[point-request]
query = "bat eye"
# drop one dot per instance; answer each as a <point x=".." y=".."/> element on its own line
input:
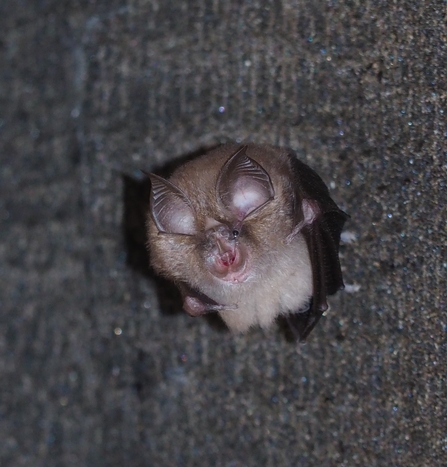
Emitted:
<point x="235" y="233"/>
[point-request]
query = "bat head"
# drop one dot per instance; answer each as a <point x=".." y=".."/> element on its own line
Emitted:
<point x="205" y="225"/>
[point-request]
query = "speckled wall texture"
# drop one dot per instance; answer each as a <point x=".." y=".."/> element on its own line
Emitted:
<point x="98" y="366"/>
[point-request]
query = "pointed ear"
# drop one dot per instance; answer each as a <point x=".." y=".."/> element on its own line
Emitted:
<point x="170" y="208"/>
<point x="243" y="186"/>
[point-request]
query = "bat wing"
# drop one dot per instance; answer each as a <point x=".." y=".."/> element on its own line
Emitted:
<point x="322" y="236"/>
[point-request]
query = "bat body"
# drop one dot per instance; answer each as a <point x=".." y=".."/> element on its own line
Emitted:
<point x="249" y="232"/>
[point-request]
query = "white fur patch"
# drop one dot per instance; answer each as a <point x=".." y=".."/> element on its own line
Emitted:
<point x="285" y="285"/>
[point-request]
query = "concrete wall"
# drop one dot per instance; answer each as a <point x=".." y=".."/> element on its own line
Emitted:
<point x="99" y="367"/>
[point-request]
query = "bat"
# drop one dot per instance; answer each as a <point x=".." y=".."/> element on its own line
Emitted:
<point x="248" y="232"/>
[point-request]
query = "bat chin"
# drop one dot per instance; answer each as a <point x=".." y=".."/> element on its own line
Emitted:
<point x="233" y="275"/>
<point x="236" y="277"/>
<point x="230" y="267"/>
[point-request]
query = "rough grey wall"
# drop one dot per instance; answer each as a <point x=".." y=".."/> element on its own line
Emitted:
<point x="97" y="366"/>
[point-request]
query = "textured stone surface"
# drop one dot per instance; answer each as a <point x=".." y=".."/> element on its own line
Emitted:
<point x="97" y="365"/>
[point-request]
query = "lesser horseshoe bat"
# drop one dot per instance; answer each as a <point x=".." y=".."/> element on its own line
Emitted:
<point x="250" y="232"/>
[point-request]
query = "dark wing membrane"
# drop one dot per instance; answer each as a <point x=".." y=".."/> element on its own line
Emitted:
<point x="323" y="241"/>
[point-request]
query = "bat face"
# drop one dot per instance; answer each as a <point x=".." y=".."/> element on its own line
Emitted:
<point x="234" y="229"/>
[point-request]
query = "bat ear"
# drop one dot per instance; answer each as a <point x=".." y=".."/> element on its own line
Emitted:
<point x="243" y="186"/>
<point x="170" y="208"/>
